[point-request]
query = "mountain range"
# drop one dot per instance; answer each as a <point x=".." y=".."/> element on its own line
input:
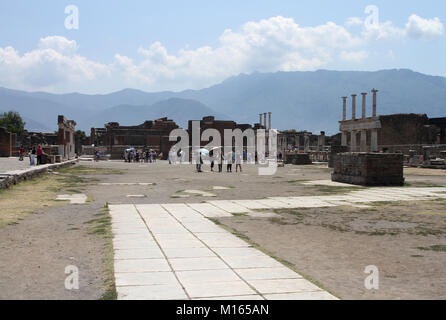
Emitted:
<point x="298" y="100"/>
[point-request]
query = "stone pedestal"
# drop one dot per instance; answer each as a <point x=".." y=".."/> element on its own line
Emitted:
<point x="369" y="169"/>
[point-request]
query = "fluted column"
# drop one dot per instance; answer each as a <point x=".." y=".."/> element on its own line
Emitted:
<point x="344" y="108"/>
<point x="269" y="120"/>
<point x="374" y="91"/>
<point x="353" y="106"/>
<point x="364" y="102"/>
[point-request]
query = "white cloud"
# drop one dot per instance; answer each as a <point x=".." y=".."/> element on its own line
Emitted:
<point x="269" y="45"/>
<point x="416" y="28"/>
<point x="354" y="56"/>
<point x="354" y="22"/>
<point x="419" y="28"/>
<point x="54" y="65"/>
<point x="383" y="31"/>
<point x="58" y="44"/>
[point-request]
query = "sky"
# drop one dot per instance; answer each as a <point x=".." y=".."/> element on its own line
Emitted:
<point x="103" y="46"/>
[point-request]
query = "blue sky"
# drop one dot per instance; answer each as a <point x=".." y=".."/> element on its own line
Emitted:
<point x="175" y="45"/>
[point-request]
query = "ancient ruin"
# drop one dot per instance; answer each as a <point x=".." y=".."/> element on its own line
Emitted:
<point x="363" y="165"/>
<point x="7" y="143"/>
<point x="66" y="138"/>
<point x="149" y="135"/>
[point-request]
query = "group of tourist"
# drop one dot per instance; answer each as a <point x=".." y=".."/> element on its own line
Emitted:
<point x="34" y="154"/>
<point x="148" y="156"/>
<point x="228" y="158"/>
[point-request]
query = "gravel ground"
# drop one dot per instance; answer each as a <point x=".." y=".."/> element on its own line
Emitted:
<point x="35" y="252"/>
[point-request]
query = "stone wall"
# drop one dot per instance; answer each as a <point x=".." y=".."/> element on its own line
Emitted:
<point x="297" y="158"/>
<point x="405" y="129"/>
<point x="7" y="143"/>
<point x="369" y="169"/>
<point x="334" y="151"/>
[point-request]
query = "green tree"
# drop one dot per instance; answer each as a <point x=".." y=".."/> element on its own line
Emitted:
<point x="13" y="122"/>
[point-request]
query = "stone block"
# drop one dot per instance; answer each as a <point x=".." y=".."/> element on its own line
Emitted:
<point x="369" y="169"/>
<point x="297" y="158"/>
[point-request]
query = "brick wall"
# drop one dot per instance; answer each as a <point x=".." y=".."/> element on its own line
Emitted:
<point x="7" y="143"/>
<point x="369" y="169"/>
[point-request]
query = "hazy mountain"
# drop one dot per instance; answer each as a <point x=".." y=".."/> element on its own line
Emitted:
<point x="298" y="100"/>
<point x="180" y="110"/>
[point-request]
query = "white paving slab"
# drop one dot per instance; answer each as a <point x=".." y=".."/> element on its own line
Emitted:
<point x="208" y="210"/>
<point x="311" y="295"/>
<point x="283" y="286"/>
<point x="77" y="198"/>
<point x="251" y="204"/>
<point x="145" y="279"/>
<point x="183" y="242"/>
<point x="188" y="253"/>
<point x="218" y="289"/>
<point x="206" y="276"/>
<point x="229" y="206"/>
<point x="155" y="292"/>
<point x="200" y="193"/>
<point x="146" y="253"/>
<point x="206" y="263"/>
<point x="268" y="273"/>
<point x="141" y="265"/>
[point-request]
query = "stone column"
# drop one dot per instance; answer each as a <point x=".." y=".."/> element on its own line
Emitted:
<point x="269" y="120"/>
<point x="374" y="91"/>
<point x="364" y="102"/>
<point x="363" y="141"/>
<point x="344" y="108"/>
<point x="264" y="120"/>
<point x="307" y="143"/>
<point x="260" y="121"/>
<point x="353" y="142"/>
<point x="374" y="141"/>
<point x="353" y="106"/>
<point x="344" y="139"/>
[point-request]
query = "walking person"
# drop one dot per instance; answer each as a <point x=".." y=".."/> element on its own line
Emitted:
<point x="32" y="156"/>
<point x="39" y="155"/>
<point x="238" y="161"/>
<point x="220" y="163"/>
<point x="199" y="161"/>
<point x="21" y="153"/>
<point x="229" y="161"/>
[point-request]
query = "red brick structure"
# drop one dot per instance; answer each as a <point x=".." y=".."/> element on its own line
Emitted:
<point x="7" y="143"/>
<point x="149" y="135"/>
<point x="66" y="138"/>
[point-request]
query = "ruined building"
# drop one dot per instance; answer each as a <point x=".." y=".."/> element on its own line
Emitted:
<point x="149" y="135"/>
<point x="7" y="143"/>
<point x="66" y="140"/>
<point x="388" y="133"/>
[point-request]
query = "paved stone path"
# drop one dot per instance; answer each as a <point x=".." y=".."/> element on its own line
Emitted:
<point x="12" y="164"/>
<point x="172" y="251"/>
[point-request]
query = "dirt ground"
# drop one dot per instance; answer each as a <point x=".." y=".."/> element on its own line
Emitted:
<point x="331" y="246"/>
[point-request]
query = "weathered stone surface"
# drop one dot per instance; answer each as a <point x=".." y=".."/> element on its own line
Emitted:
<point x="369" y="169"/>
<point x="297" y="158"/>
